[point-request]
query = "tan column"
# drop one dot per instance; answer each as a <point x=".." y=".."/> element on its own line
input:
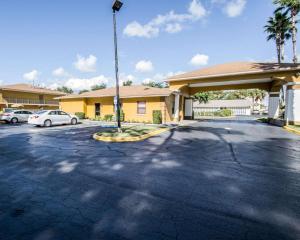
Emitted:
<point x="176" y="107"/>
<point x="273" y="109"/>
<point x="292" y="107"/>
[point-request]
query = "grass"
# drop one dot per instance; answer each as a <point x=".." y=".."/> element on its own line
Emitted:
<point x="128" y="131"/>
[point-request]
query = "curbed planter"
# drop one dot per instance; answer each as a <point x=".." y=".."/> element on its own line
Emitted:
<point x="130" y="139"/>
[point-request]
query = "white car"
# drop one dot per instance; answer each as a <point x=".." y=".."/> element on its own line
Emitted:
<point x="48" y="118"/>
<point x="15" y="116"/>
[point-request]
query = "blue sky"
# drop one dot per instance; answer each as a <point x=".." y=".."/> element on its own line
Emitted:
<point x="69" y="42"/>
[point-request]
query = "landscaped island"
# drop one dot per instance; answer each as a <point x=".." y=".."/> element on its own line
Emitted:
<point x="129" y="133"/>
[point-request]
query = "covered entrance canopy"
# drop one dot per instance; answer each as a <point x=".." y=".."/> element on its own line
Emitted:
<point x="241" y="75"/>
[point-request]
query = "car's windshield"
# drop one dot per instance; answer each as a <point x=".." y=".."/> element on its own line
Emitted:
<point x="40" y="112"/>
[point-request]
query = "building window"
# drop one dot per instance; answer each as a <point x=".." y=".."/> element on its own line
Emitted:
<point x="141" y="107"/>
<point x="97" y="109"/>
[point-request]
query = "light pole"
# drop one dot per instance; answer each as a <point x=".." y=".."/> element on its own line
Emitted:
<point x="116" y="7"/>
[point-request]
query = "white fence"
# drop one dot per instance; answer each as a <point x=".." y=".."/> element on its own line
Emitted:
<point x="237" y="111"/>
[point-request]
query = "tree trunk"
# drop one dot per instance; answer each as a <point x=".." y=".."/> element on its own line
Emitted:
<point x="282" y="52"/>
<point x="278" y="46"/>
<point x="294" y="37"/>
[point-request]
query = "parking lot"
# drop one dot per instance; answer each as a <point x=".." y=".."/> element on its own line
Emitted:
<point x="210" y="180"/>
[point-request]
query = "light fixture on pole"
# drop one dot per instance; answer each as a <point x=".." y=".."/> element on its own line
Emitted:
<point x="116" y="7"/>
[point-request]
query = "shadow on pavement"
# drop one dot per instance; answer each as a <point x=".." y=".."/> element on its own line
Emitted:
<point x="191" y="183"/>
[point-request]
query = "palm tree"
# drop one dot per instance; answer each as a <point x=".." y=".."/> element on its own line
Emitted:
<point x="278" y="29"/>
<point x="293" y="7"/>
<point x="286" y="33"/>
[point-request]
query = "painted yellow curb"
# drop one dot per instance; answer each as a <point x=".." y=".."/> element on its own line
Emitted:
<point x="129" y="139"/>
<point x="292" y="130"/>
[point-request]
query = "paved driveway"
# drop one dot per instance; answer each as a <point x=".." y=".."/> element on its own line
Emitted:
<point x="212" y="180"/>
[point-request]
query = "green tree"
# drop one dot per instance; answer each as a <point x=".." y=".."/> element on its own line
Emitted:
<point x="83" y="91"/>
<point x="98" y="86"/>
<point x="65" y="89"/>
<point x="127" y="83"/>
<point x="256" y="94"/>
<point x="154" y="84"/>
<point x="278" y="29"/>
<point x="292" y="7"/>
<point x="202" y="97"/>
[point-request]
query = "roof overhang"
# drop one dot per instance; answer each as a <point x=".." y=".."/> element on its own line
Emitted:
<point x="121" y="97"/>
<point x="33" y="92"/>
<point x="233" y="82"/>
<point x="179" y="78"/>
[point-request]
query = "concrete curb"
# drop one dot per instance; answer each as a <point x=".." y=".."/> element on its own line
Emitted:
<point x="292" y="130"/>
<point x="130" y="139"/>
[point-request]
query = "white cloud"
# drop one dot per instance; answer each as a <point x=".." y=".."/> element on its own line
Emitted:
<point x="86" y="64"/>
<point x="235" y="8"/>
<point x="31" y="76"/>
<point x="85" y="83"/>
<point x="169" y="22"/>
<point x="197" y="10"/>
<point x="1" y="82"/>
<point x="173" y="28"/>
<point x="54" y="86"/>
<point x="124" y="78"/>
<point x="135" y="29"/>
<point x="148" y="80"/>
<point x="160" y="77"/>
<point x="60" y="72"/>
<point x="144" y="66"/>
<point x="199" y="60"/>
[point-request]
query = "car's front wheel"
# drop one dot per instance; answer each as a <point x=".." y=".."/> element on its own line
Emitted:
<point x="74" y="121"/>
<point x="47" y="123"/>
<point x="14" y="120"/>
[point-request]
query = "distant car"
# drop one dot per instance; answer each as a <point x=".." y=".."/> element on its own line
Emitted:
<point x="15" y="116"/>
<point x="48" y="118"/>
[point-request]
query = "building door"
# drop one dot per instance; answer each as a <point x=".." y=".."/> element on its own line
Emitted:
<point x="97" y="109"/>
<point x="188" y="109"/>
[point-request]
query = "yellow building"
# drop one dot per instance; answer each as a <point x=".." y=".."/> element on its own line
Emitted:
<point x="137" y="103"/>
<point x="26" y="96"/>
<point x="272" y="77"/>
<point x="176" y="103"/>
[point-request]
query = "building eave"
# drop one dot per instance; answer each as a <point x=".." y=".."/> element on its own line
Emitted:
<point x="232" y="74"/>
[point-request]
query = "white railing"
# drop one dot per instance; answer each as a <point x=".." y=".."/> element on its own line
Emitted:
<point x="31" y="101"/>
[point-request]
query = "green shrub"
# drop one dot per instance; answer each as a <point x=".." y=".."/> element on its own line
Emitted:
<point x="80" y="115"/>
<point x="204" y="114"/>
<point x="223" y="113"/>
<point x="263" y="120"/>
<point x="157" y="117"/>
<point x="98" y="118"/>
<point x="108" y="117"/>
<point x="122" y="116"/>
